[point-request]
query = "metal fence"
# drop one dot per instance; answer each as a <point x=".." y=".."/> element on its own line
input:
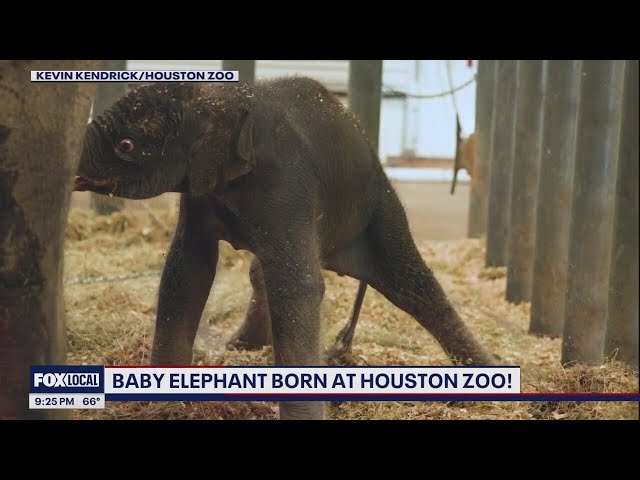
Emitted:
<point x="556" y="193"/>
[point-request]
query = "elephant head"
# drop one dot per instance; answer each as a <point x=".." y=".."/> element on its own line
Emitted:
<point x="175" y="137"/>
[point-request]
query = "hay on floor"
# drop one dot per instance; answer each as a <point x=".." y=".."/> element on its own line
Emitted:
<point x="110" y="321"/>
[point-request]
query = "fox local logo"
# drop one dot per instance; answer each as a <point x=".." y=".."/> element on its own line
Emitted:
<point x="67" y="378"/>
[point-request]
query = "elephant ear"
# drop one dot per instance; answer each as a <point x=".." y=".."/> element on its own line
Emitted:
<point x="245" y="160"/>
<point x="211" y="167"/>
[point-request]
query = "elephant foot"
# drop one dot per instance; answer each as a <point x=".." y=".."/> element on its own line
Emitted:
<point x="340" y="354"/>
<point x="242" y="340"/>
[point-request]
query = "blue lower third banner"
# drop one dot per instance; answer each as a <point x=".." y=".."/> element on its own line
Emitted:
<point x="90" y="386"/>
<point x="66" y="386"/>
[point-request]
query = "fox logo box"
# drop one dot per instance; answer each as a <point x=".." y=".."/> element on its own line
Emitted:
<point x="67" y="379"/>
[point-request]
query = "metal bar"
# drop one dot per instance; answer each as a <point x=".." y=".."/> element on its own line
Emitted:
<point x="365" y="85"/>
<point x="107" y="93"/>
<point x="592" y="211"/>
<point x="553" y="215"/>
<point x="365" y="93"/>
<point x="246" y="69"/>
<point x="524" y="179"/>
<point x="621" y="338"/>
<point x="479" y="196"/>
<point x="501" y="162"/>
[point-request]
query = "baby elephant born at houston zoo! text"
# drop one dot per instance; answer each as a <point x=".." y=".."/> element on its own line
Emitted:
<point x="282" y="170"/>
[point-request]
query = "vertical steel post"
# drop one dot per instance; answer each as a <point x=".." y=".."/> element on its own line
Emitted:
<point x="246" y="69"/>
<point x="365" y="90"/>
<point x="106" y="95"/>
<point x="524" y="179"/>
<point x="553" y="215"/>
<point x="592" y="211"/>
<point x="501" y="162"/>
<point x="622" y="319"/>
<point x="479" y="195"/>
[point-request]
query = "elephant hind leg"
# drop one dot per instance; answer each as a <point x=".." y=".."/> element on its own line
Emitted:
<point x="255" y="332"/>
<point x="402" y="276"/>
<point x="386" y="257"/>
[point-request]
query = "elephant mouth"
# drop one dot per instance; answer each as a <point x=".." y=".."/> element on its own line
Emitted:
<point x="83" y="183"/>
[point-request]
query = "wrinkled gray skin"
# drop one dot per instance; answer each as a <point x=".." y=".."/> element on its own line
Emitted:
<point x="284" y="171"/>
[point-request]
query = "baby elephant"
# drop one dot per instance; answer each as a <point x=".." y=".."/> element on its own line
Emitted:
<point x="284" y="171"/>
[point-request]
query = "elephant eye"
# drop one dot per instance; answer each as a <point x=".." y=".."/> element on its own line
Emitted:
<point x="126" y="145"/>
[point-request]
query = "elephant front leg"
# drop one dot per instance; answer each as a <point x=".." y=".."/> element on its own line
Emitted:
<point x="186" y="282"/>
<point x="294" y="295"/>
<point x="255" y="332"/>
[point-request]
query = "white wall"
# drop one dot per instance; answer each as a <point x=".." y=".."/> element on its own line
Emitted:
<point x="392" y="126"/>
<point x="424" y="127"/>
<point x="430" y="123"/>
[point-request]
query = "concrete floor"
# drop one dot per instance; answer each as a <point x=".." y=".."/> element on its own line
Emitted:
<point x="433" y="213"/>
